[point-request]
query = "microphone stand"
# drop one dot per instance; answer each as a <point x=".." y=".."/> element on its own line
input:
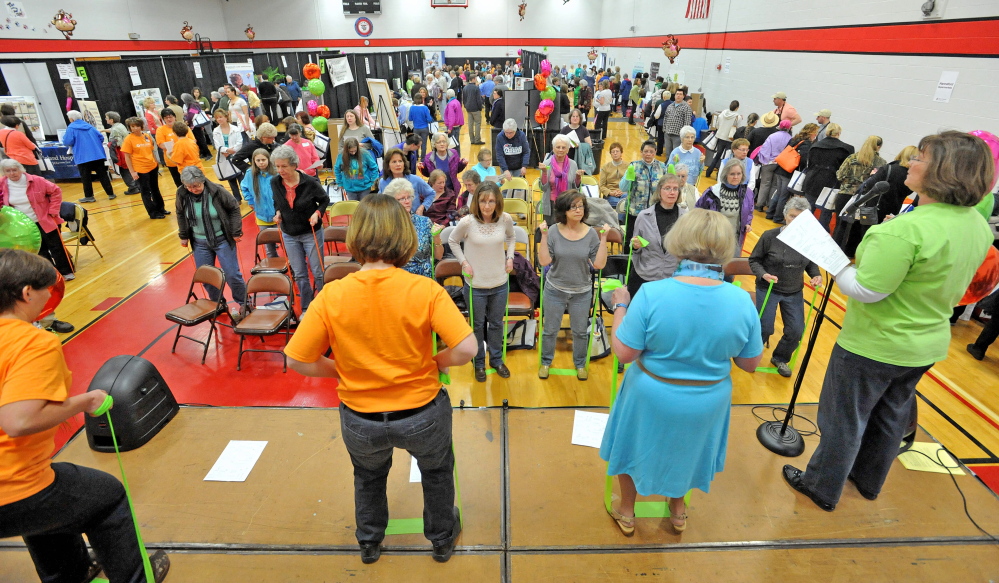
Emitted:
<point x="778" y="436"/>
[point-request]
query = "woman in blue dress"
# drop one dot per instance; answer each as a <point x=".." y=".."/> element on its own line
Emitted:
<point x="668" y="429"/>
<point x="426" y="234"/>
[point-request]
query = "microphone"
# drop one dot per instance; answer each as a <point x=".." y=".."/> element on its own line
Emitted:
<point x="877" y="190"/>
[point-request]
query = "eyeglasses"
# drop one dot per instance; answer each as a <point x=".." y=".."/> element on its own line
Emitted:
<point x="578" y="207"/>
<point x="916" y="159"/>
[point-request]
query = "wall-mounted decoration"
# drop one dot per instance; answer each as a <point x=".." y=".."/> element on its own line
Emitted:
<point x="671" y="48"/>
<point x="249" y="32"/>
<point x="187" y="32"/>
<point x="363" y="26"/>
<point x="64" y="23"/>
<point x="15" y="9"/>
<point x="522" y="10"/>
<point x="592" y="55"/>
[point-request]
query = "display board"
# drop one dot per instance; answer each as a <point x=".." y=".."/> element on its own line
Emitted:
<point x="140" y="95"/>
<point x="26" y="109"/>
<point x="240" y="74"/>
<point x="381" y="101"/>
<point x="91" y="114"/>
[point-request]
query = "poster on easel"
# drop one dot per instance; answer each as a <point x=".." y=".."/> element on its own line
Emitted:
<point x="91" y="114"/>
<point x="26" y="109"/>
<point x="140" y="95"/>
<point x="240" y="74"/>
<point x="381" y="101"/>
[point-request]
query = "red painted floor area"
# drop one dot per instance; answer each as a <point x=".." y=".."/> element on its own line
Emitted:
<point x="139" y="324"/>
<point x="988" y="474"/>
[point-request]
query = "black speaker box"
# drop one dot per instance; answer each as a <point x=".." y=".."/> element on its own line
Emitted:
<point x="143" y="404"/>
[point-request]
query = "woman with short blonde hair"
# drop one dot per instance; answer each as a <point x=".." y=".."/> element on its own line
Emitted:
<point x="687" y="355"/>
<point x="387" y="372"/>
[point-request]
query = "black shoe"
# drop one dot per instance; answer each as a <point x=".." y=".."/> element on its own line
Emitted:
<point x="93" y="570"/>
<point x="502" y="371"/>
<point x="60" y="327"/>
<point x="978" y="353"/>
<point x="160" y="563"/>
<point x="443" y="551"/>
<point x="370" y="552"/>
<point x="157" y="216"/>
<point x="480" y="374"/>
<point x="133" y="191"/>
<point x="863" y="492"/>
<point x="112" y="196"/>
<point x="87" y="199"/>
<point x="782" y="367"/>
<point x="792" y="476"/>
<point x="165" y="213"/>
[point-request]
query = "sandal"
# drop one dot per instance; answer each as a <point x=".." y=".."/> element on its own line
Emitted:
<point x="625" y="523"/>
<point x="678" y="528"/>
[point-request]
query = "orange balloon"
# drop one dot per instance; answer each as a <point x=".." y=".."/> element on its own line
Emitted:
<point x="540" y="83"/>
<point x="985" y="280"/>
<point x="311" y="71"/>
<point x="58" y="290"/>
<point x="323" y="111"/>
<point x="540" y="117"/>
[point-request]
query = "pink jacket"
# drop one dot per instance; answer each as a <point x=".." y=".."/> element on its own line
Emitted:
<point x="45" y="198"/>
<point x="453" y="116"/>
<point x="307" y="155"/>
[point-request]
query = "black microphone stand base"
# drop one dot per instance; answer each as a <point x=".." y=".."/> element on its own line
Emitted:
<point x="790" y="444"/>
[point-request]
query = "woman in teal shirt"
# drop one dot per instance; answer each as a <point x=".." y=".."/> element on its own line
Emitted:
<point x="910" y="272"/>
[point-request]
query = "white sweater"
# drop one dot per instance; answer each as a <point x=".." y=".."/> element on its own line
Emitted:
<point x="484" y="249"/>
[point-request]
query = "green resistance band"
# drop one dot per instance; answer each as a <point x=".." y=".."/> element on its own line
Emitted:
<point x="105" y="409"/>
<point x="443" y="378"/>
<point x="471" y="318"/>
<point x="808" y="320"/>
<point x="415" y="525"/>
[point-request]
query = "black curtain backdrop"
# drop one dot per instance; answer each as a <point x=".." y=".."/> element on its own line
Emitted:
<point x="531" y="62"/>
<point x="181" y="76"/>
<point x="110" y="83"/>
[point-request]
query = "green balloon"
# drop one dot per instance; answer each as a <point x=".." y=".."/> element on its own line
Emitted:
<point x="549" y="93"/>
<point x="320" y="123"/>
<point x="17" y="231"/>
<point x="316" y="87"/>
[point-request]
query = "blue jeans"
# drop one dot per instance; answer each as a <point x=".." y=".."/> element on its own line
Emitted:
<point x="355" y="194"/>
<point x="555" y="304"/>
<point x="298" y="247"/>
<point x="80" y="500"/>
<point x="488" y="309"/>
<point x="864" y="410"/>
<point x="792" y="313"/>
<point x="226" y="254"/>
<point x="614" y="201"/>
<point x="427" y="437"/>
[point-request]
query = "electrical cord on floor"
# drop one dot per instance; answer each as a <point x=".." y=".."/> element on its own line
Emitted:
<point x="776" y="410"/>
<point x="939" y="461"/>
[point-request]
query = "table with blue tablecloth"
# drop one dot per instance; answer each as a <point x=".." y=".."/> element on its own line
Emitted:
<point x="62" y="161"/>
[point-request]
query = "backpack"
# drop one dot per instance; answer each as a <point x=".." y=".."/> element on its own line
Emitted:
<point x="283" y="94"/>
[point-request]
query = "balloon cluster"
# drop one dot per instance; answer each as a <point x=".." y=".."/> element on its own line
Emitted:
<point x="547" y="105"/>
<point x="18" y="231"/>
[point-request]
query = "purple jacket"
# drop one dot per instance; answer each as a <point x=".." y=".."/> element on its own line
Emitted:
<point x="453" y="116"/>
<point x="709" y="200"/>
<point x="771" y="148"/>
<point x="455" y="165"/>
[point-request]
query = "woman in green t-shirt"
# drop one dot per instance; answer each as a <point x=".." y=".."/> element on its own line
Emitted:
<point x="910" y="272"/>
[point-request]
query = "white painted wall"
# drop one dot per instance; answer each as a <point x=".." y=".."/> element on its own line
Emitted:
<point x="890" y="96"/>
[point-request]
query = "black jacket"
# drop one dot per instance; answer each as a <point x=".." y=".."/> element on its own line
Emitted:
<point x="773" y="256"/>
<point x="267" y="91"/>
<point x="497" y="115"/>
<point x="471" y="98"/>
<point x="456" y="85"/>
<point x="564" y="105"/>
<point x="310" y="196"/>
<point x="824" y="159"/>
<point x="241" y="159"/>
<point x="225" y="205"/>
<point x="758" y="136"/>
<point x="891" y="201"/>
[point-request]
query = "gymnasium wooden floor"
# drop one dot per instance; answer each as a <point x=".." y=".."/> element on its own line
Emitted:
<point x="117" y="305"/>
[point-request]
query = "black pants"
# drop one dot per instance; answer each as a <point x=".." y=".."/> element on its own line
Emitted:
<point x="33" y="169"/>
<point x="631" y="111"/>
<point x="989" y="334"/>
<point x="175" y="174"/>
<point x="53" y="250"/>
<point x="101" y="169"/>
<point x="202" y="139"/>
<point x="149" y="184"/>
<point x="51" y="522"/>
<point x="235" y="188"/>
<point x="270" y="109"/>
<point x="721" y="147"/>
<point x="600" y="125"/>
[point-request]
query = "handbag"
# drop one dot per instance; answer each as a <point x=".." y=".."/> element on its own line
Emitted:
<point x="600" y="346"/>
<point x="789" y="158"/>
<point x="452" y="142"/>
<point x="522" y="335"/>
<point x="711" y="141"/>
<point x="827" y="198"/>
<point x="732" y="132"/>
<point x="201" y="119"/>
<point x="224" y="169"/>
<point x="797" y="181"/>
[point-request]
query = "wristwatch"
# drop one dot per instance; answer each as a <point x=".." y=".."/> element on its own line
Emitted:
<point x="620" y="305"/>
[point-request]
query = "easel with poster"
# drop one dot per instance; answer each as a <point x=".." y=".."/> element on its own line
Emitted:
<point x="381" y="98"/>
<point x="26" y="109"/>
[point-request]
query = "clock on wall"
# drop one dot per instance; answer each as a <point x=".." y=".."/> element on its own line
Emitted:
<point x="363" y="26"/>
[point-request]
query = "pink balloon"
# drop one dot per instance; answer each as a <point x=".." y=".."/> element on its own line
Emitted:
<point x="519" y="51"/>
<point x="546" y="106"/>
<point x="993" y="143"/>
<point x="546" y="67"/>
<point x="313" y="107"/>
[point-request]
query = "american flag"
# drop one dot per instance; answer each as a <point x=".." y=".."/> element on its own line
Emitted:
<point x="698" y="8"/>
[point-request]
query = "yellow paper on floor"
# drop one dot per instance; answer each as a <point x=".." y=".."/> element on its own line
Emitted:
<point x="912" y="460"/>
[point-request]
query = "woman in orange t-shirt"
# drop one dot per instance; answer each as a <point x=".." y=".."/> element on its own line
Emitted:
<point x="50" y="504"/>
<point x="138" y="148"/>
<point x="165" y="135"/>
<point x="185" y="148"/>
<point x="388" y="375"/>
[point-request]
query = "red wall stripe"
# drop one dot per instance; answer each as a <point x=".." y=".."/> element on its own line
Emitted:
<point x="955" y="38"/>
